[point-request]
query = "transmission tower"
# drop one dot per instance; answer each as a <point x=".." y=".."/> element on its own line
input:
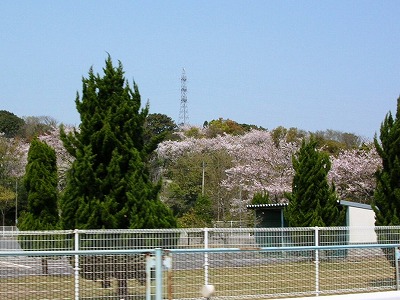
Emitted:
<point x="183" y="112"/>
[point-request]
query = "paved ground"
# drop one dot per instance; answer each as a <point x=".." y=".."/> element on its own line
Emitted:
<point x="7" y="243"/>
<point x="24" y="265"/>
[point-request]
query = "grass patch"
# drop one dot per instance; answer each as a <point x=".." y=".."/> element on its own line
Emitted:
<point x="265" y="280"/>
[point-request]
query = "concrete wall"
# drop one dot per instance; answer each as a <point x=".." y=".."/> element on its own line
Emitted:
<point x="361" y="222"/>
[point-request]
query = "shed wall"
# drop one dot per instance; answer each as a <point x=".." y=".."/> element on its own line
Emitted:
<point x="361" y="222"/>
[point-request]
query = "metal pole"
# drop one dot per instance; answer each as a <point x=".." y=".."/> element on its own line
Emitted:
<point x="316" y="262"/>
<point x="76" y="267"/>
<point x="159" y="280"/>
<point x="240" y="205"/>
<point x="205" y="256"/>
<point x="202" y="180"/>
<point x="150" y="263"/>
<point x="16" y="202"/>
<point x="396" y="264"/>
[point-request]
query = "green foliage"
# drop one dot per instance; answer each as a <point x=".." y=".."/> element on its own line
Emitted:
<point x="386" y="202"/>
<point x="248" y="127"/>
<point x="261" y="198"/>
<point x="10" y="124"/>
<point x="312" y="201"/>
<point x="186" y="173"/>
<point x="295" y="135"/>
<point x="200" y="215"/>
<point x="331" y="146"/>
<point x="7" y="201"/>
<point x="333" y="141"/>
<point x="190" y="220"/>
<point x="278" y="134"/>
<point x="157" y="128"/>
<point x="108" y="185"/>
<point x="330" y="141"/>
<point x="194" y="132"/>
<point x="221" y="126"/>
<point x="291" y="135"/>
<point x="203" y="209"/>
<point x="186" y="182"/>
<point x="41" y="185"/>
<point x="36" y="126"/>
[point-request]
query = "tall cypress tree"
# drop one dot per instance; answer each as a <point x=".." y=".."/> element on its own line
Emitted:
<point x="41" y="185"/>
<point x="386" y="202"/>
<point x="312" y="202"/>
<point x="108" y="185"/>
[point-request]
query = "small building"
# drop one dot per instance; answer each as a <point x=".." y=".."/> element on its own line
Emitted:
<point x="361" y="220"/>
<point x="268" y="215"/>
<point x="359" y="217"/>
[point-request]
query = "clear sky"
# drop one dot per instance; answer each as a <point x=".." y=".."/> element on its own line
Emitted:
<point x="313" y="65"/>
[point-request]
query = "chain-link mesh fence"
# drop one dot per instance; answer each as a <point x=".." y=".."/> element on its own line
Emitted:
<point x="247" y="264"/>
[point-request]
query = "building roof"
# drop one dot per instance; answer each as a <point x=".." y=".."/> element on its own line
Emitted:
<point x="283" y="205"/>
<point x="267" y="206"/>
<point x="355" y="204"/>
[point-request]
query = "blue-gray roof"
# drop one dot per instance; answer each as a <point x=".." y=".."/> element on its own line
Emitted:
<point x="267" y="206"/>
<point x="355" y="204"/>
<point x="282" y="205"/>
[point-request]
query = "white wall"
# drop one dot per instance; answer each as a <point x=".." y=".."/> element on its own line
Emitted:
<point x="362" y="222"/>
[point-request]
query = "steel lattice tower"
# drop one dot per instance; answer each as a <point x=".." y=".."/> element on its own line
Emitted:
<point x="183" y="112"/>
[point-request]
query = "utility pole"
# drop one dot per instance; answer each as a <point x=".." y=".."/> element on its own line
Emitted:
<point x="202" y="179"/>
<point x="16" y="202"/>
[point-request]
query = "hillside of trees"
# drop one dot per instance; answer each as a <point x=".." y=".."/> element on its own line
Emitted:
<point x="218" y="167"/>
<point x="124" y="167"/>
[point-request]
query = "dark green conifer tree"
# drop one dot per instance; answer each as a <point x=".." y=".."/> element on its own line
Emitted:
<point x="386" y="202"/>
<point x="10" y="124"/>
<point x="40" y="182"/>
<point x="312" y="202"/>
<point x="261" y="198"/>
<point x="108" y="185"/>
<point x="41" y="185"/>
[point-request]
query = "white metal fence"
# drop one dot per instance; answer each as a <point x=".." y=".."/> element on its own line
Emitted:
<point x="246" y="263"/>
<point x="5" y="229"/>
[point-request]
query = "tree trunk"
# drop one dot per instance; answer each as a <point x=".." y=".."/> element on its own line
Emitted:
<point x="106" y="283"/>
<point x="45" y="267"/>
<point x="122" y="288"/>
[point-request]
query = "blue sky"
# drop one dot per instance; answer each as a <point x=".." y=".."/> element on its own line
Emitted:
<point x="313" y="65"/>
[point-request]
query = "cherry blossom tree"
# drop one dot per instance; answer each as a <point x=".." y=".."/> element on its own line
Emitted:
<point x="259" y="165"/>
<point x="261" y="161"/>
<point x="13" y="153"/>
<point x="64" y="159"/>
<point x="353" y="172"/>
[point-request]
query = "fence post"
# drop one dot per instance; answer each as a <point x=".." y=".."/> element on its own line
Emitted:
<point x="159" y="279"/>
<point x="316" y="234"/>
<point x="76" y="266"/>
<point x="205" y="256"/>
<point x="396" y="265"/>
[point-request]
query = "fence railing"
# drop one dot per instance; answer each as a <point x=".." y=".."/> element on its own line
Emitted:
<point x="5" y="229"/>
<point x="195" y="238"/>
<point x="242" y="263"/>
